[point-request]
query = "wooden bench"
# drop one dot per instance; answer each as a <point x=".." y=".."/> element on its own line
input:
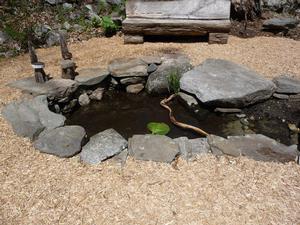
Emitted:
<point x="177" y="17"/>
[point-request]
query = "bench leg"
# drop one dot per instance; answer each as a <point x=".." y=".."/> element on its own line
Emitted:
<point x="218" y="38"/>
<point x="133" y="39"/>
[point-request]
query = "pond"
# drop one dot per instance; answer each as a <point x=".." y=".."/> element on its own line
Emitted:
<point x="129" y="114"/>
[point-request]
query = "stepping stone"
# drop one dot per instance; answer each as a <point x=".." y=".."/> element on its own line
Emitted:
<point x="255" y="146"/>
<point x="221" y="83"/>
<point x="31" y="116"/>
<point x="157" y="82"/>
<point x="91" y="76"/>
<point x="152" y="60"/>
<point x="158" y="148"/>
<point x="287" y="85"/>
<point x="62" y="141"/>
<point x="190" y="148"/>
<point x="102" y="146"/>
<point x="280" y="23"/>
<point x="128" y="68"/>
<point x="55" y="88"/>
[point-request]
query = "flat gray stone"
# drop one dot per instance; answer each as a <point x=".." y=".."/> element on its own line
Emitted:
<point x="30" y="117"/>
<point x="3" y="37"/>
<point x="158" y="148"/>
<point x="190" y="148"/>
<point x="281" y="96"/>
<point x="228" y="110"/>
<point x="158" y="81"/>
<point x="121" y="157"/>
<point x="225" y="84"/>
<point x="128" y="68"/>
<point x="287" y="85"/>
<point x="55" y="88"/>
<point x="255" y="146"/>
<point x="102" y="146"/>
<point x="91" y="76"/>
<point x="132" y="80"/>
<point x="280" y="23"/>
<point x="134" y="88"/>
<point x="62" y="141"/>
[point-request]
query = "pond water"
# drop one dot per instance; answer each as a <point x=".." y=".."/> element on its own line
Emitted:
<point x="129" y="114"/>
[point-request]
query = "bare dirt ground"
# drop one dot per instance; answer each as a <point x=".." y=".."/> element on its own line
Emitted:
<point x="42" y="189"/>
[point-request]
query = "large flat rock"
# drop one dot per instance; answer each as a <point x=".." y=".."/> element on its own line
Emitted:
<point x="158" y="148"/>
<point x="31" y="116"/>
<point x="91" y="76"/>
<point x="102" y="146"/>
<point x="130" y="67"/>
<point x="55" y="88"/>
<point x="255" y="146"/>
<point x="190" y="148"/>
<point x="62" y="141"/>
<point x="280" y="23"/>
<point x="223" y="83"/>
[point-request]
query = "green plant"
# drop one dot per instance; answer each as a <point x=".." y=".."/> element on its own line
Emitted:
<point x="108" y="25"/>
<point x="158" y="128"/>
<point x="174" y="81"/>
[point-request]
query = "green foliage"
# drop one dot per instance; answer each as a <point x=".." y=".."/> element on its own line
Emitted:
<point x="174" y="81"/>
<point x="108" y="25"/>
<point x="158" y="128"/>
<point x="96" y="22"/>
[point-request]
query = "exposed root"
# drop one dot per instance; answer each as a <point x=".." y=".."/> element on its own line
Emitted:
<point x="164" y="102"/>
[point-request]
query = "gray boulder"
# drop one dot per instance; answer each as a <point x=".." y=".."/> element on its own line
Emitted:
<point x="152" y="60"/>
<point x="55" y="88"/>
<point x="91" y="76"/>
<point x="128" y="68"/>
<point x="287" y="85"/>
<point x="225" y="84"/>
<point x="53" y="39"/>
<point x="62" y="141"/>
<point x="255" y="146"/>
<point x="149" y="147"/>
<point x="190" y="148"/>
<point x="158" y="81"/>
<point x="188" y="100"/>
<point x="30" y="117"/>
<point x="102" y="146"/>
<point x="280" y="24"/>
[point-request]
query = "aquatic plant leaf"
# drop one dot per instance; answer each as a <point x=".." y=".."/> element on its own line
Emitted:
<point x="158" y="128"/>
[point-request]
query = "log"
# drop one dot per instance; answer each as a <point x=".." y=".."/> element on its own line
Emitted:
<point x="139" y="26"/>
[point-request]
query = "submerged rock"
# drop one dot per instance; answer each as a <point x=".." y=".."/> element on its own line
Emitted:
<point x="134" y="88"/>
<point x="91" y="76"/>
<point x="84" y="100"/>
<point x="97" y="94"/>
<point x="149" y="147"/>
<point x="31" y="116"/>
<point x="225" y="84"/>
<point x="128" y="68"/>
<point x="287" y="85"/>
<point x="102" y="146"/>
<point x="62" y="141"/>
<point x="158" y="81"/>
<point x="255" y="146"/>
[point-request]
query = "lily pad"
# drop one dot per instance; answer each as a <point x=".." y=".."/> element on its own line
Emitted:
<point x="158" y="128"/>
